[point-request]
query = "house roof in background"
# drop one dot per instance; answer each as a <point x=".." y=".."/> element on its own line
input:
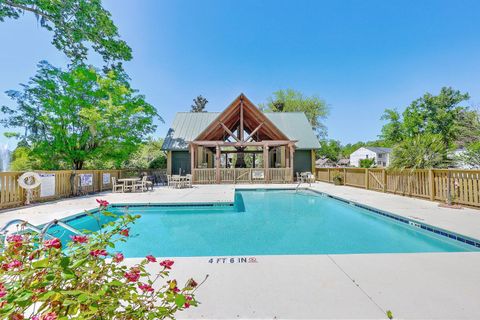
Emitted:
<point x="343" y="161"/>
<point x="186" y="126"/>
<point x="379" y="149"/>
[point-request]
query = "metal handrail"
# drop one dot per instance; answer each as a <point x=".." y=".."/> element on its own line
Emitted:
<point x="42" y="232"/>
<point x="4" y="230"/>
<point x="59" y="223"/>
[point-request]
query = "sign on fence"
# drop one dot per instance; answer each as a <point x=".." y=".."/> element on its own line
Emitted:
<point x="258" y="174"/>
<point x="47" y="187"/>
<point x="86" y="179"/>
<point x="106" y="178"/>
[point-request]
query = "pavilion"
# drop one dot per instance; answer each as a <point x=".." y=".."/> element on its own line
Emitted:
<point x="241" y="144"/>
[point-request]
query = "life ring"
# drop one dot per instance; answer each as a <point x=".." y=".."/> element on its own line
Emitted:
<point x="22" y="180"/>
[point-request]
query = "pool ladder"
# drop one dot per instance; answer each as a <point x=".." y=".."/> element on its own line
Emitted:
<point x="298" y="186"/>
<point x="41" y="232"/>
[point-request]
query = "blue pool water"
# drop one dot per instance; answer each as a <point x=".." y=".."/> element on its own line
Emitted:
<point x="270" y="222"/>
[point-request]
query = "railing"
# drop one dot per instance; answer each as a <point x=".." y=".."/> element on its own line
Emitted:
<point x="243" y="175"/>
<point x="462" y="186"/>
<point x="60" y="184"/>
<point x="204" y="176"/>
<point x="280" y="175"/>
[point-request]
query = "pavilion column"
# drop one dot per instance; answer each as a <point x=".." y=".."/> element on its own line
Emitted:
<point x="292" y="151"/>
<point x="192" y="160"/>
<point x="265" y="161"/>
<point x="217" y="163"/>
<point x="287" y="157"/>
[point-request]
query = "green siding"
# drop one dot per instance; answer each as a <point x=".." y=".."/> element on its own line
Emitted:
<point x="180" y="160"/>
<point x="302" y="161"/>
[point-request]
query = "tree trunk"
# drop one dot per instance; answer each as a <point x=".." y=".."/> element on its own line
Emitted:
<point x="77" y="165"/>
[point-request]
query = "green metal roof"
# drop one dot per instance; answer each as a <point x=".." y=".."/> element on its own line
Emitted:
<point x="296" y="126"/>
<point x="187" y="126"/>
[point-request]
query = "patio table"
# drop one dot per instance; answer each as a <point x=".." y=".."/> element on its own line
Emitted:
<point x="129" y="182"/>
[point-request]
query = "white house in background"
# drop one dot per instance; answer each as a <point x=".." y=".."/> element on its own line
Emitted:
<point x="381" y="156"/>
<point x="457" y="162"/>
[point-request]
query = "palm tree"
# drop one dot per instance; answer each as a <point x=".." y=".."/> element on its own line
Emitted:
<point x="424" y="151"/>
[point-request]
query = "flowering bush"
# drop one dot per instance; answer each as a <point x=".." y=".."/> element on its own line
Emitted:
<point x="87" y="280"/>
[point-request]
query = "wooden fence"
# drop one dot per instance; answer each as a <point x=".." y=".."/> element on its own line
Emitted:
<point x="60" y="184"/>
<point x="463" y="186"/>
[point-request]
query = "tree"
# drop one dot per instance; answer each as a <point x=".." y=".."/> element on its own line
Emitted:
<point x="392" y="132"/>
<point x="420" y="152"/>
<point x="22" y="160"/>
<point x="330" y="149"/>
<point x="148" y="155"/>
<point x="76" y="26"/>
<point x="199" y="104"/>
<point x="469" y="128"/>
<point x="74" y="116"/>
<point x="437" y="115"/>
<point x="290" y="100"/>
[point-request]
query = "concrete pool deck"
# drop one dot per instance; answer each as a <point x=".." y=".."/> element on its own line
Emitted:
<point x="350" y="286"/>
<point x="362" y="286"/>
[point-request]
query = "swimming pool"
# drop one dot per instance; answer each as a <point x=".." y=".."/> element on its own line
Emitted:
<point x="270" y="222"/>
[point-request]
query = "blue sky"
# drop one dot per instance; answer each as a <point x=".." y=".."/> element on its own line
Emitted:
<point x="360" y="56"/>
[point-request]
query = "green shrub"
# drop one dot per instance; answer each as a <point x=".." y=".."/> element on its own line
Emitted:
<point x="367" y="163"/>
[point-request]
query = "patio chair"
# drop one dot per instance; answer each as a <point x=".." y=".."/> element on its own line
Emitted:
<point x="147" y="184"/>
<point x="189" y="180"/>
<point x="142" y="184"/>
<point x="299" y="177"/>
<point x="175" y="181"/>
<point x="116" y="185"/>
<point x="307" y="177"/>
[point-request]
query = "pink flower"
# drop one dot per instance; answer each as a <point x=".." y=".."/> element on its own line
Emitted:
<point x="151" y="258"/>
<point x="49" y="316"/>
<point x="3" y="290"/>
<point x="133" y="275"/>
<point x="15" y="264"/>
<point x="15" y="239"/>
<point x="145" y="287"/>
<point x="53" y="243"/>
<point x="118" y="257"/>
<point x="125" y="232"/>
<point x="35" y="317"/>
<point x="98" y="252"/>
<point x="102" y="203"/>
<point x="79" y="239"/>
<point x="167" y="264"/>
<point x="186" y="305"/>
